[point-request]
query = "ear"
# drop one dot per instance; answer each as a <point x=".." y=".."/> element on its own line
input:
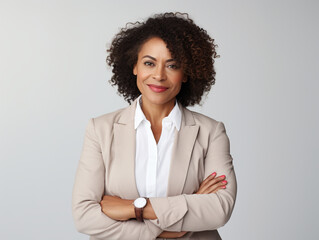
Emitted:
<point x="134" y="70"/>
<point x="184" y="79"/>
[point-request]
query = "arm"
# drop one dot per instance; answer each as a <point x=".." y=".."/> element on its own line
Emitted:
<point x="209" y="185"/>
<point x="206" y="211"/>
<point x="123" y="209"/>
<point x="88" y="192"/>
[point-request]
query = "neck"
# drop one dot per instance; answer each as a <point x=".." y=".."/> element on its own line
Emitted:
<point x="156" y="112"/>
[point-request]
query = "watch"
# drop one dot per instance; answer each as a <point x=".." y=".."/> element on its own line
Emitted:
<point x="139" y="205"/>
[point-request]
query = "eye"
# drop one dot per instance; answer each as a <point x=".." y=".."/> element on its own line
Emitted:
<point x="147" y="63"/>
<point x="173" y="66"/>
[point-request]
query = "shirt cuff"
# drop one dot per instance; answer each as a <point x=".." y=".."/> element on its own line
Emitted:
<point x="170" y="212"/>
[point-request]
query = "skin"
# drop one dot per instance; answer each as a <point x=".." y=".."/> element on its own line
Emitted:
<point x="123" y="209"/>
<point x="156" y="67"/>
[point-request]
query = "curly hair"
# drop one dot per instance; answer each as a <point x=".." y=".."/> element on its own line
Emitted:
<point x="189" y="44"/>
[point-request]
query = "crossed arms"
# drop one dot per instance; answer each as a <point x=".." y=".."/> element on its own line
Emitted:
<point x="98" y="217"/>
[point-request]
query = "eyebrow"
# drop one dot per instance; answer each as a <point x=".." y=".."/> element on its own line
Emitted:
<point x="153" y="58"/>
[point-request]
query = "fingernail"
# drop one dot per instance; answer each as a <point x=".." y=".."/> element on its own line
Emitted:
<point x="224" y="182"/>
<point x="222" y="176"/>
<point x="214" y="173"/>
<point x="223" y="186"/>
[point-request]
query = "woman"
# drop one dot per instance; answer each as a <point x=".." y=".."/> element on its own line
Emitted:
<point x="150" y="170"/>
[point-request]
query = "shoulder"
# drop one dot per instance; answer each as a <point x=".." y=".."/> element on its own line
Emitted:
<point x="103" y="124"/>
<point x="207" y="125"/>
<point x="203" y="119"/>
<point x="109" y="118"/>
<point x="122" y="116"/>
<point x="199" y="118"/>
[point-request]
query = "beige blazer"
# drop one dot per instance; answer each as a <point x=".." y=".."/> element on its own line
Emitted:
<point x="106" y="167"/>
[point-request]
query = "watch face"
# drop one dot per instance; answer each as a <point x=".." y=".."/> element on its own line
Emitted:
<point x="140" y="202"/>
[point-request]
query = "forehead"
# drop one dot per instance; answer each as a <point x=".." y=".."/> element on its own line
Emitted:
<point x="154" y="47"/>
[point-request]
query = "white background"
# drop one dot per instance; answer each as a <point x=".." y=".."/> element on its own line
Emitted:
<point x="54" y="79"/>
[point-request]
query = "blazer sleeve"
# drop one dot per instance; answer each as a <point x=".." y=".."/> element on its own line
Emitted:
<point x="88" y="191"/>
<point x="201" y="212"/>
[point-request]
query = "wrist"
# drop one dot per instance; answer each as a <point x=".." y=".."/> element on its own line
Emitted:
<point x="131" y="209"/>
<point x="139" y="206"/>
<point x="148" y="211"/>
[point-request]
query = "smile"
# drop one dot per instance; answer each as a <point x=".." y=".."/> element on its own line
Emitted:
<point x="157" y="89"/>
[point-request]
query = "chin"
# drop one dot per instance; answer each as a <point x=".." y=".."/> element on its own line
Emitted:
<point x="159" y="100"/>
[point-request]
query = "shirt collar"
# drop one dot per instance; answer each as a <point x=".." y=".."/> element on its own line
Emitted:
<point x="139" y="115"/>
<point x="175" y="116"/>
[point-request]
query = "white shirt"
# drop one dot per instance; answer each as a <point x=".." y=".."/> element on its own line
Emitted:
<point x="152" y="161"/>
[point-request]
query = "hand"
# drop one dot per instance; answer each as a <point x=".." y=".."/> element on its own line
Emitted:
<point x="212" y="184"/>
<point x="122" y="209"/>
<point x="117" y="208"/>
<point x="166" y="234"/>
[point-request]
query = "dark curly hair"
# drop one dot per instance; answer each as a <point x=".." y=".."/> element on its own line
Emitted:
<point x="189" y="44"/>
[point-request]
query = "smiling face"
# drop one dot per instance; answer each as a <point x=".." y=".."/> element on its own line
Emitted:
<point x="159" y="77"/>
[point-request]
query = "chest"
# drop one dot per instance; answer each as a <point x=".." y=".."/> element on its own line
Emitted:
<point x="152" y="161"/>
<point x="186" y="168"/>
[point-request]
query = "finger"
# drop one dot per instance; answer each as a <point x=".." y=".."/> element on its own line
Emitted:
<point x="210" y="177"/>
<point x="214" y="188"/>
<point x="202" y="185"/>
<point x="220" y="178"/>
<point x="215" y="180"/>
<point x="219" y="188"/>
<point x="206" y="183"/>
<point x="110" y="197"/>
<point x="211" y="181"/>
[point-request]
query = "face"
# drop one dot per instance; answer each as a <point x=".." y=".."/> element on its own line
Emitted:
<point x="159" y="77"/>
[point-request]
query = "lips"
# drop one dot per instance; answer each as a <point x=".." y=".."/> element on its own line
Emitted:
<point x="156" y="88"/>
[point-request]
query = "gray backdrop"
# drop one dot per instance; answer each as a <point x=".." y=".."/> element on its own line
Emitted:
<point x="54" y="78"/>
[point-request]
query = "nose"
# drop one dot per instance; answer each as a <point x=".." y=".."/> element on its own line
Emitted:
<point x="159" y="73"/>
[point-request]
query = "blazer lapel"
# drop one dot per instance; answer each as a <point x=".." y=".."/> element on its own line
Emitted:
<point x="124" y="148"/>
<point x="181" y="153"/>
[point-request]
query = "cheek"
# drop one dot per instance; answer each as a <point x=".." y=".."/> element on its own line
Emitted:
<point x="140" y="80"/>
<point x="177" y="87"/>
<point x="177" y="80"/>
<point x="139" y="83"/>
<point x="142" y="74"/>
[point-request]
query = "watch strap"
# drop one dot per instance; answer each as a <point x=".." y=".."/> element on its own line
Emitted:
<point x="139" y="214"/>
